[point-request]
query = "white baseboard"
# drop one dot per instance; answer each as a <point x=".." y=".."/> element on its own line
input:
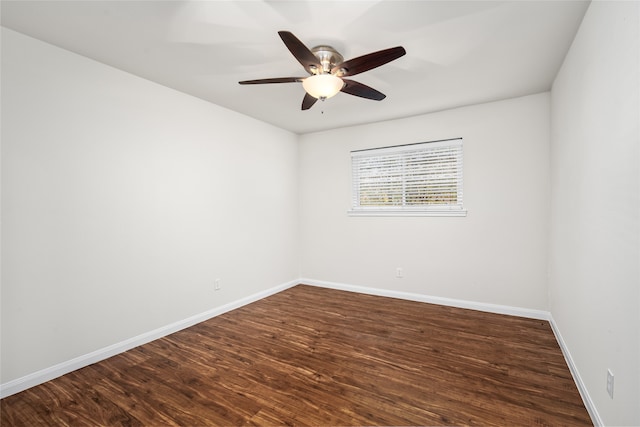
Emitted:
<point x="44" y="375"/>
<point x="47" y="374"/>
<point x="584" y="393"/>
<point x="472" y="305"/>
<point x="491" y="308"/>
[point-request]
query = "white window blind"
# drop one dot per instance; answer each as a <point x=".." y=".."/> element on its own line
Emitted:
<point x="414" y="179"/>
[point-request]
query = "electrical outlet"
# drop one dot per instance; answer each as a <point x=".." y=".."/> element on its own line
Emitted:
<point x="216" y="285"/>
<point x="399" y="272"/>
<point x="610" y="383"/>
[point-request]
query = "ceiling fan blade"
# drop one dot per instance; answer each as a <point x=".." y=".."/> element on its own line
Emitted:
<point x="367" y="62"/>
<point x="301" y="52"/>
<point x="358" y="89"/>
<point x="273" y="80"/>
<point x="308" y="101"/>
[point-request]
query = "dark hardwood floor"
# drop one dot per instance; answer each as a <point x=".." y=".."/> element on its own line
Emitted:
<point x="313" y="356"/>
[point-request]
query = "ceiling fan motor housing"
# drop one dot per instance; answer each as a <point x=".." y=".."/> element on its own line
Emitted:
<point x="328" y="57"/>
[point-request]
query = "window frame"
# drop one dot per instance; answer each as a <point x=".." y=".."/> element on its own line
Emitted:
<point x="405" y="151"/>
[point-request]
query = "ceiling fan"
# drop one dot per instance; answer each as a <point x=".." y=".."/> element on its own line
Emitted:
<point x="327" y="68"/>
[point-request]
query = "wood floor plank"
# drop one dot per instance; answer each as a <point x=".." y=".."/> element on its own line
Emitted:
<point x="311" y="356"/>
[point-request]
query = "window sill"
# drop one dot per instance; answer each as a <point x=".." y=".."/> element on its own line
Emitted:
<point x="407" y="212"/>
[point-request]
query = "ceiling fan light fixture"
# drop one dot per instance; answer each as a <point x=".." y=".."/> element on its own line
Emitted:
<point x="327" y="68"/>
<point x="322" y="86"/>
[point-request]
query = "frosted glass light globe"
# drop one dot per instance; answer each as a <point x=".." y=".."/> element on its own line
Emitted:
<point x="322" y="86"/>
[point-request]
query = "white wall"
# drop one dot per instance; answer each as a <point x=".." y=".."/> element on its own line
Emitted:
<point x="595" y="231"/>
<point x="123" y="200"/>
<point x="497" y="254"/>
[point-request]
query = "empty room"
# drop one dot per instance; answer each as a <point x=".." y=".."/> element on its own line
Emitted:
<point x="320" y="213"/>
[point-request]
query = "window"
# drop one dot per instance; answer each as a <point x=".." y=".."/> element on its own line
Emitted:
<point x="413" y="179"/>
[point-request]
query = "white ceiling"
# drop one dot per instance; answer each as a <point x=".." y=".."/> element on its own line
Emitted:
<point x="458" y="52"/>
